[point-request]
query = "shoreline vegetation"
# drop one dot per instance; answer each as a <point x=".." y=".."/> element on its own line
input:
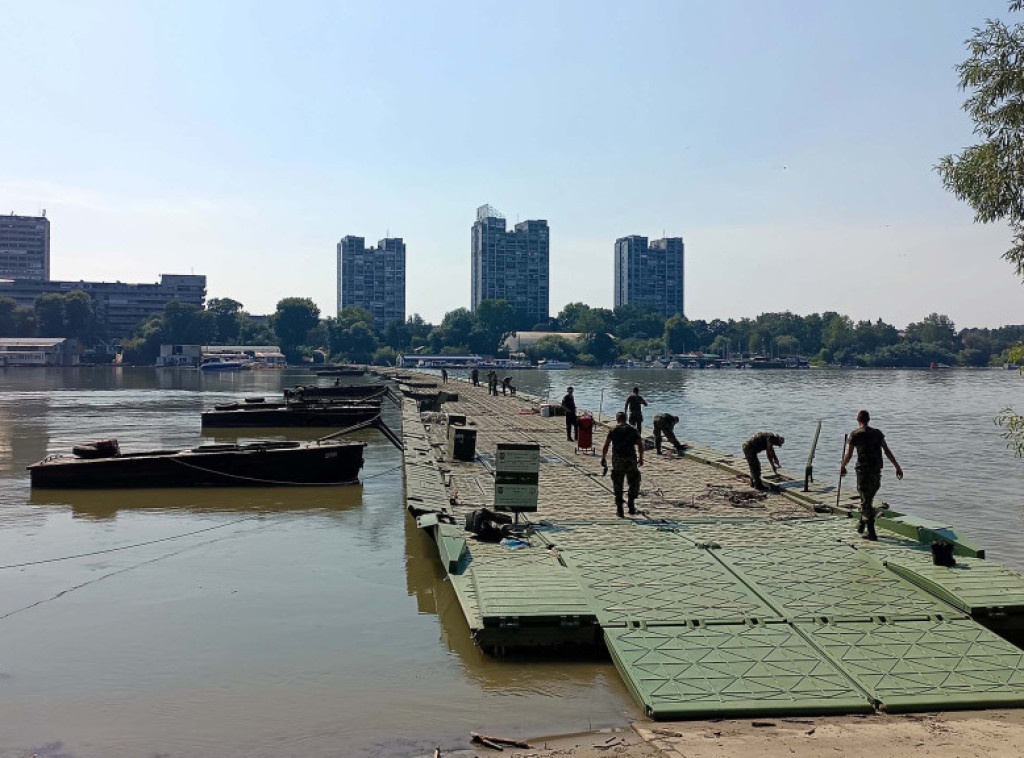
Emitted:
<point x="579" y="334"/>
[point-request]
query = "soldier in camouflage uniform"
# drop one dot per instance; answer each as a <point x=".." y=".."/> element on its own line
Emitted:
<point x="869" y="444"/>
<point x="663" y="426"/>
<point x="625" y="442"/>
<point x="765" y="442"/>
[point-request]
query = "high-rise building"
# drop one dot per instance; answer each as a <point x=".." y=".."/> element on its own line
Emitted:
<point x="25" y="247"/>
<point x="650" y="274"/>
<point x="511" y="266"/>
<point x="373" y="278"/>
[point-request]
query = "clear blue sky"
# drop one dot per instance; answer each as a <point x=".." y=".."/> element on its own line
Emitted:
<point x="790" y="143"/>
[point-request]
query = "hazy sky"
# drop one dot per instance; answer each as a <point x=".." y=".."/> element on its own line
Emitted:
<point x="791" y="144"/>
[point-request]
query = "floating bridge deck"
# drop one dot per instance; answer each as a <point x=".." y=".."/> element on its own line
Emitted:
<point x="716" y="601"/>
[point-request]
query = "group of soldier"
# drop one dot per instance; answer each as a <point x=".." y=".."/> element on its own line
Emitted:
<point x="627" y="446"/>
<point x="492" y="381"/>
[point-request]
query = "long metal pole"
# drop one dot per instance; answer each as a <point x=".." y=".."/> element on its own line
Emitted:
<point x="809" y="468"/>
<point x="600" y="408"/>
<point x="839" y="487"/>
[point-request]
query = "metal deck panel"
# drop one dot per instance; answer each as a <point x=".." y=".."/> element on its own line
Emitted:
<point x="729" y="671"/>
<point x="538" y="591"/>
<point x="973" y="585"/>
<point x="662" y="586"/>
<point x="838" y="582"/>
<point x="921" y="665"/>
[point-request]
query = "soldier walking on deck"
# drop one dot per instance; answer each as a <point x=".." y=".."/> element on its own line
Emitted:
<point x="572" y="426"/>
<point x="762" y="442"/>
<point x="492" y="382"/>
<point x="664" y="423"/>
<point x="474" y="376"/>
<point x="869" y="444"/>
<point x="625" y="442"/>
<point x="444" y="376"/>
<point x="633" y="408"/>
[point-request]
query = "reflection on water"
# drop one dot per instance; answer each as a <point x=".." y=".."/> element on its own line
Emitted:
<point x="324" y="625"/>
<point x="106" y="504"/>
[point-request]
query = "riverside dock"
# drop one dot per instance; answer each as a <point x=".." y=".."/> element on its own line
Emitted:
<point x="715" y="601"/>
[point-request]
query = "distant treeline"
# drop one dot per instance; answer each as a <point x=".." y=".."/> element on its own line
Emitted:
<point x="627" y="332"/>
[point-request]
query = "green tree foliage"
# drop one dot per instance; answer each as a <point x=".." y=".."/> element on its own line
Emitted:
<point x="933" y="329"/>
<point x="495" y="320"/>
<point x="50" y="315"/>
<point x="351" y="336"/>
<point x="398" y="336"/>
<point x="8" y="317"/>
<point x="228" y="315"/>
<point x="553" y="348"/>
<point x="252" y="332"/>
<point x="385" y="356"/>
<point x="911" y="355"/>
<point x="787" y="344"/>
<point x="679" y="335"/>
<point x="25" y="322"/>
<point x="638" y="322"/>
<point x="292" y="320"/>
<point x="454" y="330"/>
<point x="78" y="315"/>
<point x="988" y="176"/>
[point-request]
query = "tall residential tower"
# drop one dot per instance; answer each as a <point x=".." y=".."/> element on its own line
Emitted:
<point x="373" y="278"/>
<point x="650" y="274"/>
<point x="511" y="266"/>
<point x="25" y="247"/>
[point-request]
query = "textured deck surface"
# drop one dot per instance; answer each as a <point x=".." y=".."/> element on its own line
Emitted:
<point x="716" y="600"/>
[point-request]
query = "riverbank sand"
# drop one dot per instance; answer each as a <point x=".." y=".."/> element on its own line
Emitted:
<point x="981" y="734"/>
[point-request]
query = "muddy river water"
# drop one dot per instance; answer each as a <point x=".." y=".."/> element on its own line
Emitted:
<point x="316" y="621"/>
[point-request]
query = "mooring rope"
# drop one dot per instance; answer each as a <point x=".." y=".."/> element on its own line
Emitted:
<point x="128" y="547"/>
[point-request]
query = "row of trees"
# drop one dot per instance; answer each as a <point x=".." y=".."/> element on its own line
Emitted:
<point x="54" y="315"/>
<point x="599" y="335"/>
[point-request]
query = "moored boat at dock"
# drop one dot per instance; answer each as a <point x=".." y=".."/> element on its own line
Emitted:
<point x="263" y="464"/>
<point x="340" y="371"/>
<point x="270" y="415"/>
<point x="346" y="392"/>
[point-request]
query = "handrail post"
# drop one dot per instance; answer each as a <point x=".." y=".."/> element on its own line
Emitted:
<point x="809" y="468"/>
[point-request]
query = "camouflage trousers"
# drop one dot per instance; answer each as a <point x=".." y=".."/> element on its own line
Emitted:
<point x="755" y="468"/>
<point x="624" y="469"/>
<point x="668" y="434"/>
<point x="869" y="481"/>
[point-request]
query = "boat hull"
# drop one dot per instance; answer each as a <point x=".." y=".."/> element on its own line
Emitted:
<point x="333" y="415"/>
<point x="271" y="465"/>
<point x="354" y="391"/>
<point x="340" y="372"/>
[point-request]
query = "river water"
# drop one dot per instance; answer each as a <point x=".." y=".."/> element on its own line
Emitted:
<point x="317" y="622"/>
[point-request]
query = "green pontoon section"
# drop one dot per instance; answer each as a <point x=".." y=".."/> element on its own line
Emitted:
<point x="925" y="665"/>
<point x="708" y="617"/>
<point x="973" y="585"/>
<point x="730" y="670"/>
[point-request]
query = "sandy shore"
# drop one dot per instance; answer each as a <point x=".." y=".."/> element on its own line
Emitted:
<point x="988" y="734"/>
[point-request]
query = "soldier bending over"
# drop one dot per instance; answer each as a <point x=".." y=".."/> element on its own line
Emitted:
<point x="663" y="426"/>
<point x="762" y="442"/>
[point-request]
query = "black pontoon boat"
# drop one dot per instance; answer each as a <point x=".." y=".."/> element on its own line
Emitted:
<point x="262" y="464"/>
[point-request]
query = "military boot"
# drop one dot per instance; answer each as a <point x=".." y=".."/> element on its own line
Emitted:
<point x="860" y="527"/>
<point x="618" y="511"/>
<point x="632" y="508"/>
<point x="871" y="532"/>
